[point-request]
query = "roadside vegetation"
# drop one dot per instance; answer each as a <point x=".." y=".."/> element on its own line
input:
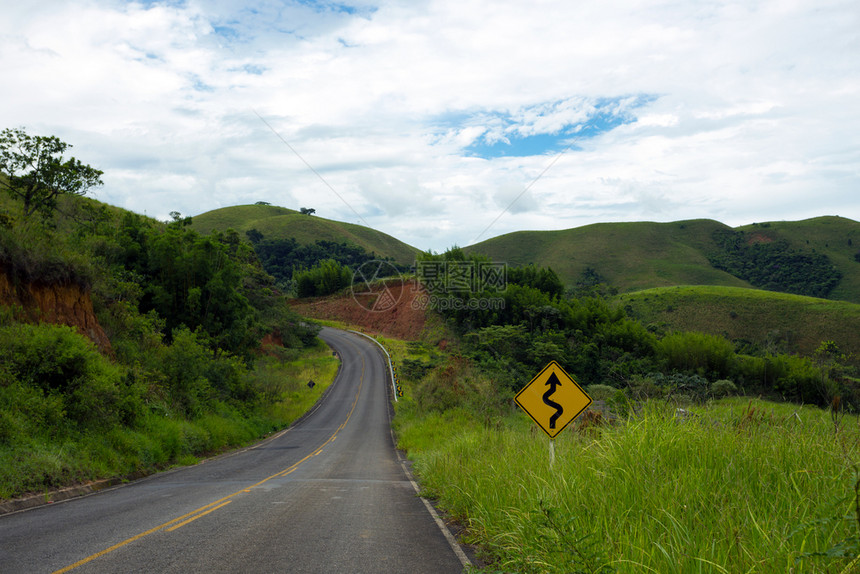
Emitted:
<point x="736" y="485"/>
<point x="598" y="341"/>
<point x="671" y="483"/>
<point x="182" y="372"/>
<point x="700" y="454"/>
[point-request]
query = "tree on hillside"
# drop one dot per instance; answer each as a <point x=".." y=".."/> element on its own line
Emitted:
<point x="307" y="210"/>
<point x="36" y="172"/>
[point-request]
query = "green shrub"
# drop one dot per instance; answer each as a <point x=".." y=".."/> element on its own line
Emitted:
<point x="35" y="253"/>
<point x="723" y="388"/>
<point x="644" y="387"/>
<point x="67" y="369"/>
<point x="327" y="277"/>
<point x="789" y="376"/>
<point x="600" y="392"/>
<point x="415" y="369"/>
<point x="446" y="387"/>
<point x="697" y="353"/>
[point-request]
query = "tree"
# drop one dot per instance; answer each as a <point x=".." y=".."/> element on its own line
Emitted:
<point x="254" y="236"/>
<point x="36" y="172"/>
<point x="307" y="210"/>
<point x="326" y="278"/>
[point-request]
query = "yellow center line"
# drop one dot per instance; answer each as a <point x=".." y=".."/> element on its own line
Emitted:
<point x="196" y="516"/>
<point x="221" y="502"/>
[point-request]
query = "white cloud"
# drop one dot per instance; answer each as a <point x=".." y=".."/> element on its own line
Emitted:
<point x="752" y="110"/>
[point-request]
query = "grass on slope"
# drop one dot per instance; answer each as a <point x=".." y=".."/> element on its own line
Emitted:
<point x="800" y="322"/>
<point x="642" y="255"/>
<point x="281" y="223"/>
<point x="741" y="486"/>
<point x="628" y="256"/>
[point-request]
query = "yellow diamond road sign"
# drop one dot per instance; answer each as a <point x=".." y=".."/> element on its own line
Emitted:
<point x="553" y="399"/>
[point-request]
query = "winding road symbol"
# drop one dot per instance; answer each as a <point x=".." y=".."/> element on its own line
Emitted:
<point x="553" y="399"/>
<point x="552" y="383"/>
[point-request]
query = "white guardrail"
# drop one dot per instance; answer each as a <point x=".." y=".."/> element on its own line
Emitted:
<point x="384" y="350"/>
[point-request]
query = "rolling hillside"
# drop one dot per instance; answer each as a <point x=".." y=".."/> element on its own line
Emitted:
<point x="836" y="237"/>
<point x="629" y="256"/>
<point x="643" y="255"/>
<point x="281" y="223"/>
<point x="780" y="321"/>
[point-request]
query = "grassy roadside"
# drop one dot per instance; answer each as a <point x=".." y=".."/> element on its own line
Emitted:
<point x="736" y="485"/>
<point x="42" y="457"/>
<point x="739" y="486"/>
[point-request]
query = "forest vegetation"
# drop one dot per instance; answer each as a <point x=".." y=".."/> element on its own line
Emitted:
<point x="184" y="373"/>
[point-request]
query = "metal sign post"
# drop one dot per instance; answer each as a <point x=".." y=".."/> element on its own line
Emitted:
<point x="553" y="400"/>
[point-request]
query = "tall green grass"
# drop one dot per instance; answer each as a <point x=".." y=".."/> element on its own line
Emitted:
<point x="735" y="487"/>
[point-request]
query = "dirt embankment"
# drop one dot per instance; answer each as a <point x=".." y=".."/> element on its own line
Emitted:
<point x="59" y="304"/>
<point x="394" y="310"/>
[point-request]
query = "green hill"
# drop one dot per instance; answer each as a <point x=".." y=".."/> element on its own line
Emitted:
<point x="282" y="223"/>
<point x="643" y="255"/>
<point x="836" y="237"/>
<point x="781" y="321"/>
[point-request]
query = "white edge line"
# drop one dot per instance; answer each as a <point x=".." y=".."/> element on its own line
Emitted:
<point x="390" y="368"/>
<point x="452" y="542"/>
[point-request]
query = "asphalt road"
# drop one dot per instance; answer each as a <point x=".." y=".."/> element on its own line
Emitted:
<point x="328" y="495"/>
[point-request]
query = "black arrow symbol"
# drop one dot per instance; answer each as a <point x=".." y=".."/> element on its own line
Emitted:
<point x="552" y="383"/>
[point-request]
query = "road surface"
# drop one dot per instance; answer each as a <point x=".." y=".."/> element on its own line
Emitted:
<point x="328" y="495"/>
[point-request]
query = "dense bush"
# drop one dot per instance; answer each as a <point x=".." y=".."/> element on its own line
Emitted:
<point x="515" y="329"/>
<point x="723" y="388"/>
<point x="64" y="369"/>
<point x="29" y="255"/>
<point x="323" y="279"/>
<point x="599" y="344"/>
<point x="708" y="355"/>
<point x="281" y="258"/>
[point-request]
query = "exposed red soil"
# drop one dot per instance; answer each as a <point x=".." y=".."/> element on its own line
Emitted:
<point x="394" y="310"/>
<point x="58" y="304"/>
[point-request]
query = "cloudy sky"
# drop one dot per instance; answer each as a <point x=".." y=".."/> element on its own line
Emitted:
<point x="444" y="122"/>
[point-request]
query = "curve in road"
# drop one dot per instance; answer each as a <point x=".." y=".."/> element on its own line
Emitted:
<point x="327" y="495"/>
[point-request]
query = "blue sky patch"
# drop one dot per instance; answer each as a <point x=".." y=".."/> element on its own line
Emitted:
<point x="546" y="128"/>
<point x="336" y="7"/>
<point x="540" y="144"/>
<point x="227" y="32"/>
